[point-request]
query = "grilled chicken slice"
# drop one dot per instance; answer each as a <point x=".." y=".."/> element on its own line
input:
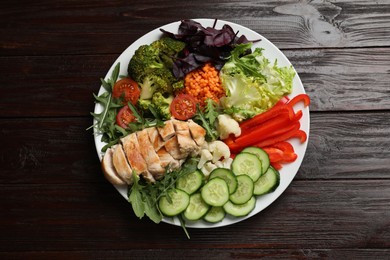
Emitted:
<point x="121" y="164"/>
<point x="167" y="131"/>
<point x="155" y="138"/>
<point x="149" y="154"/>
<point x="167" y="161"/>
<point x="172" y="146"/>
<point x="137" y="162"/>
<point x="198" y="133"/>
<point x="187" y="145"/>
<point x="153" y="150"/>
<point x="109" y="169"/>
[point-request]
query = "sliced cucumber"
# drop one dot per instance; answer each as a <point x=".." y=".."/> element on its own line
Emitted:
<point x="261" y="154"/>
<point x="244" y="190"/>
<point x="215" y="192"/>
<point x="190" y="182"/>
<point x="226" y="175"/>
<point x="241" y="209"/>
<point x="178" y="202"/>
<point x="215" y="214"/>
<point x="267" y="182"/>
<point x="197" y="208"/>
<point x="248" y="164"/>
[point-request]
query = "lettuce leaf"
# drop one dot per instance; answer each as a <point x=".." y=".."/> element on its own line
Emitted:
<point x="252" y="83"/>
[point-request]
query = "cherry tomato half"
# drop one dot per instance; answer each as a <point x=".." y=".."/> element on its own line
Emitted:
<point x="183" y="107"/>
<point x="128" y="89"/>
<point x="124" y="117"/>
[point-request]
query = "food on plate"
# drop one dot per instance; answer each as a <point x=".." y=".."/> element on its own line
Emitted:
<point x="203" y="83"/>
<point x="152" y="151"/>
<point x="199" y="127"/>
<point x="252" y="83"/>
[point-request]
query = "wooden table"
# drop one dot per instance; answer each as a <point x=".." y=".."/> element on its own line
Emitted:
<point x="55" y="202"/>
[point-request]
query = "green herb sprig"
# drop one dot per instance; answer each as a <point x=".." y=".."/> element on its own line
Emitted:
<point x="144" y="197"/>
<point x="207" y="117"/>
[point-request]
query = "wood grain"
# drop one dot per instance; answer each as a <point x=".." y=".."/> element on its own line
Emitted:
<point x="55" y="202"/>
<point x="345" y="146"/>
<point x="310" y="214"/>
<point x="303" y="253"/>
<point x="353" y="79"/>
<point x="60" y="27"/>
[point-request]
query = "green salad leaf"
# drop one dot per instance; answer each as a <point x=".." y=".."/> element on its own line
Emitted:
<point x="252" y="83"/>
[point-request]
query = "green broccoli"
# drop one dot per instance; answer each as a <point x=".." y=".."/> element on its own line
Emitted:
<point x="178" y="85"/>
<point x="168" y="48"/>
<point x="161" y="104"/>
<point x="143" y="104"/>
<point x="159" y="81"/>
<point x="150" y="66"/>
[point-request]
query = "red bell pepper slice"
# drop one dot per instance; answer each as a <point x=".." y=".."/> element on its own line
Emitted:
<point x="263" y="117"/>
<point x="274" y="154"/>
<point x="262" y="132"/>
<point x="276" y="165"/>
<point x="301" y="135"/>
<point x="298" y="98"/>
<point x="279" y="138"/>
<point x="286" y="147"/>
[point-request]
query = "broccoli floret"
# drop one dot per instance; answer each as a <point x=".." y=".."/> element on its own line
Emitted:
<point x="153" y="83"/>
<point x="161" y="104"/>
<point x="168" y="49"/>
<point x="149" y="66"/>
<point x="143" y="104"/>
<point x="144" y="61"/>
<point x="178" y="85"/>
<point x="169" y="46"/>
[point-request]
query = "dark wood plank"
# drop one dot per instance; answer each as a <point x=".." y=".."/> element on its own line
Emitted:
<point x="347" y="79"/>
<point x="60" y="150"/>
<point x="353" y="79"/>
<point x="348" y="145"/>
<point x="310" y="214"/>
<point x="63" y="27"/>
<point x="48" y="151"/>
<point x="303" y="253"/>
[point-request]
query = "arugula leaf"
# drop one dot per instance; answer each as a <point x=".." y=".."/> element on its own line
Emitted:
<point x="136" y="198"/>
<point x="207" y="119"/>
<point x="144" y="198"/>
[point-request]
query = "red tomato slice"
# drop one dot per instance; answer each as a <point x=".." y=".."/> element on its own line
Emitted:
<point x="128" y="89"/>
<point x="183" y="107"/>
<point x="124" y="117"/>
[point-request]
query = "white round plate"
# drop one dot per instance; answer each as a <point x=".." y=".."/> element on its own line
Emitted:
<point x="287" y="173"/>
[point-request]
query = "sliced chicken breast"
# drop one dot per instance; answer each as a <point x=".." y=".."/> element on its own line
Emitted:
<point x="109" y="169"/>
<point x="155" y="138"/>
<point x="167" y="161"/>
<point x="149" y="154"/>
<point x="167" y="131"/>
<point x="137" y="162"/>
<point x="121" y="164"/>
<point x="198" y="133"/>
<point x="187" y="145"/>
<point x="172" y="146"/>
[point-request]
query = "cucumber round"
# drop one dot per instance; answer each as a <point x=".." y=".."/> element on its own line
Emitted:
<point x="190" y="182"/>
<point x="247" y="164"/>
<point x="215" y="192"/>
<point x="241" y="209"/>
<point x="176" y="204"/>
<point x="215" y="214"/>
<point x="226" y="175"/>
<point x="261" y="154"/>
<point x="244" y="190"/>
<point x="197" y="208"/>
<point x="268" y="182"/>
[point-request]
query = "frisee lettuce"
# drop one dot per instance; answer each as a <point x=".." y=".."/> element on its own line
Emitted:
<point x="252" y="83"/>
